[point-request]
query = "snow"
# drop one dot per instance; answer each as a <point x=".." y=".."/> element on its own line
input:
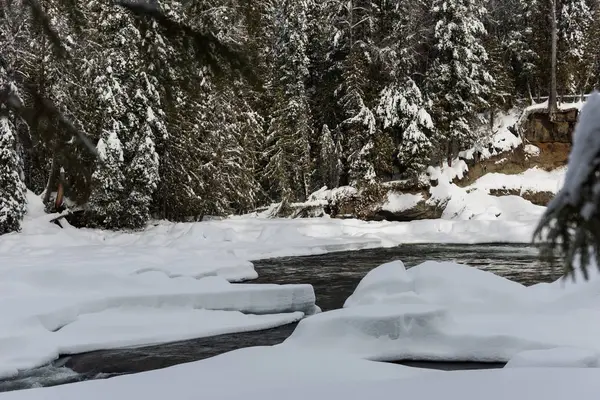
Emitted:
<point x="502" y="138"/>
<point x="324" y="195"/>
<point x="502" y="384"/>
<point x="559" y="357"/>
<point x="53" y="311"/>
<point x="130" y="326"/>
<point x="447" y="173"/>
<point x="235" y="373"/>
<point x="531" y="150"/>
<point x="381" y="284"/>
<point x="561" y="106"/>
<point x="70" y="290"/>
<point x="309" y="375"/>
<point x="397" y="202"/>
<point x="445" y="311"/>
<point x="534" y="180"/>
<point x="475" y="203"/>
<point x="499" y="140"/>
<point x="64" y="291"/>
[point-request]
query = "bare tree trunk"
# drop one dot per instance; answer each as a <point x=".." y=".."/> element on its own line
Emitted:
<point x="552" y="106"/>
<point x="51" y="184"/>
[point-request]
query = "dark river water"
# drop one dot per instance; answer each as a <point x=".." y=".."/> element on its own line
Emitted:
<point x="334" y="277"/>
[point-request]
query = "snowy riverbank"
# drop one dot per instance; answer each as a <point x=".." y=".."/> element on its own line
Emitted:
<point x="70" y="290"/>
<point x="548" y="333"/>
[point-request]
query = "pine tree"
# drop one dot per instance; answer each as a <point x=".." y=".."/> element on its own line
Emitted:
<point x="403" y="109"/>
<point x="574" y="22"/>
<point x="329" y="160"/>
<point x="359" y="131"/>
<point x="108" y="181"/>
<point x="345" y="87"/>
<point x="12" y="189"/>
<point x="510" y="45"/>
<point x="228" y="162"/>
<point x="141" y="174"/>
<point x="458" y="80"/>
<point x="288" y="168"/>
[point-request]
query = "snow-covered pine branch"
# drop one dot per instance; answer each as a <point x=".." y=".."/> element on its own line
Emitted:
<point x="571" y="223"/>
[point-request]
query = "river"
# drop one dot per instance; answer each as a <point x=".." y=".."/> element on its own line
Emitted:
<point x="334" y="277"/>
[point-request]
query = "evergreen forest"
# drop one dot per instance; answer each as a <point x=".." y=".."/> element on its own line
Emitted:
<point x="174" y="109"/>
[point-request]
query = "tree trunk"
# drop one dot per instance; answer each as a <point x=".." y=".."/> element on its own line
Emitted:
<point x="552" y="106"/>
<point x="450" y="152"/>
<point x="530" y="93"/>
<point x="51" y="184"/>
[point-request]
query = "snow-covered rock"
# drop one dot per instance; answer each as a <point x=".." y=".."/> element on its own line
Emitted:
<point x="531" y="150"/>
<point x="397" y="202"/>
<point x="533" y="180"/>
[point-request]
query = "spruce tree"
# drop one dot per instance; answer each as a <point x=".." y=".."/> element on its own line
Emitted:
<point x="12" y="189"/>
<point x="329" y="160"/>
<point x="105" y="202"/>
<point x="289" y="164"/>
<point x="574" y="23"/>
<point x="458" y="80"/>
<point x="403" y="109"/>
<point x="141" y="174"/>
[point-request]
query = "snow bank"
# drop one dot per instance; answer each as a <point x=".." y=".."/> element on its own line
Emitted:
<point x="56" y="284"/>
<point x="474" y="202"/>
<point x="560" y="357"/>
<point x="235" y="373"/>
<point x="534" y="180"/>
<point x="53" y="312"/>
<point x="501" y="384"/>
<point x="326" y="195"/>
<point x="315" y="376"/>
<point x="67" y="290"/>
<point x="446" y="311"/>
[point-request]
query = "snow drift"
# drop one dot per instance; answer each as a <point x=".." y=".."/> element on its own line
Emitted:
<point x="446" y="311"/>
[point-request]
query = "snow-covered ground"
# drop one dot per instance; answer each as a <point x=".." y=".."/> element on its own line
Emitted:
<point x="65" y="291"/>
<point x="475" y="202"/>
<point x="303" y="379"/>
<point x="549" y="334"/>
<point x="532" y="180"/>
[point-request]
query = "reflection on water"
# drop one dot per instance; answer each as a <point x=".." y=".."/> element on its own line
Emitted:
<point x="334" y="277"/>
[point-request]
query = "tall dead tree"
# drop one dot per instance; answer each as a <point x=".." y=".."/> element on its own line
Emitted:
<point x="552" y="96"/>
